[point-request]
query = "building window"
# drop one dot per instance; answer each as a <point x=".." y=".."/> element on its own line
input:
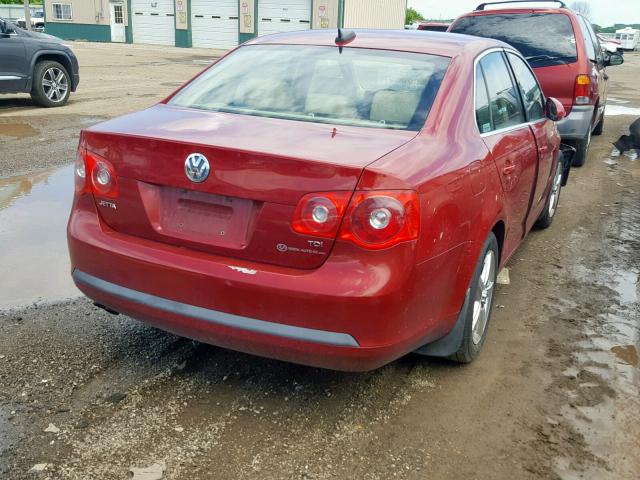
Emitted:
<point x="62" y="11"/>
<point x="118" y="16"/>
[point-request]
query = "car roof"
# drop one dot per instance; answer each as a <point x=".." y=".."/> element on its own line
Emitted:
<point x="435" y="43"/>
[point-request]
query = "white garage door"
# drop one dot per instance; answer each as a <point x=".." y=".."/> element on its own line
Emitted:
<point x="283" y="16"/>
<point x="153" y="22"/>
<point x="214" y="23"/>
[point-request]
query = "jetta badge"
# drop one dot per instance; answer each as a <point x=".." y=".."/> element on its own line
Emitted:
<point x="196" y="166"/>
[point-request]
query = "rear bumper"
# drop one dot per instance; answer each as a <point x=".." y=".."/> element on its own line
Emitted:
<point x="576" y="125"/>
<point x="135" y="297"/>
<point x="357" y="312"/>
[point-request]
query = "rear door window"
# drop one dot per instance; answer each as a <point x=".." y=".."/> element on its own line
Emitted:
<point x="504" y="98"/>
<point x="529" y="88"/>
<point x="544" y="39"/>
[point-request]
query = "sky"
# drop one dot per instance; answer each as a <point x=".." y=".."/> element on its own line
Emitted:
<point x="604" y="12"/>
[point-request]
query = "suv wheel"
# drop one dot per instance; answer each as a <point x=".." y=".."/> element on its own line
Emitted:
<point x="582" y="150"/>
<point x="600" y="126"/>
<point x="51" y="84"/>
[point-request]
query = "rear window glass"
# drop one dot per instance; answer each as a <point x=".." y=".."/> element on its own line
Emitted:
<point x="483" y="115"/>
<point x="544" y="39"/>
<point x="361" y="87"/>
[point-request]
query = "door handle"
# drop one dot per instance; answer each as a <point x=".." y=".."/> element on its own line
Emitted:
<point x="509" y="169"/>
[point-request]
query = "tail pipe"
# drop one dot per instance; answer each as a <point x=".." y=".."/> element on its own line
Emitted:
<point x="106" y="309"/>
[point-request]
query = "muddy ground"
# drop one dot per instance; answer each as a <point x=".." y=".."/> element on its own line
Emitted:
<point x="553" y="395"/>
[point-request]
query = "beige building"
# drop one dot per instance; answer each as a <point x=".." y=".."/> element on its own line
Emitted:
<point x="211" y="23"/>
<point x="374" y="14"/>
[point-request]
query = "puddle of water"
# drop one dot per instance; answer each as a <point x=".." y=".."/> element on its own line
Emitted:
<point x="627" y="353"/>
<point x="34" y="263"/>
<point x="620" y="110"/>
<point x="18" y="130"/>
<point x="616" y="100"/>
<point x="627" y="286"/>
<point x="624" y="282"/>
<point x="606" y="415"/>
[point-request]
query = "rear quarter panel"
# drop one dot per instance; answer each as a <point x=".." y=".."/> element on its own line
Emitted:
<point x="451" y="168"/>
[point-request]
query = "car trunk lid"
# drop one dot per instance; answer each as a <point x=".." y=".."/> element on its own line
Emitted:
<point x="259" y="169"/>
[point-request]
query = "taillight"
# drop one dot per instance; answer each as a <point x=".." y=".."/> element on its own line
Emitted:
<point x="100" y="171"/>
<point x="80" y="173"/>
<point x="103" y="178"/>
<point x="381" y="219"/>
<point x="582" y="91"/>
<point x="372" y="219"/>
<point x="319" y="214"/>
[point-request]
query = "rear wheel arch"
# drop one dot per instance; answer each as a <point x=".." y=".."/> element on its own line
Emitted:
<point x="499" y="230"/>
<point x="53" y="56"/>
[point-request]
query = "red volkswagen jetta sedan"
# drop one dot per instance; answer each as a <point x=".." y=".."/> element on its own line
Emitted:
<point x="336" y="202"/>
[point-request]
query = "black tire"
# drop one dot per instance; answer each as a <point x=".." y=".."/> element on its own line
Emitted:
<point x="551" y="205"/>
<point x="51" y="84"/>
<point x="472" y="341"/>
<point x="582" y="150"/>
<point x="600" y="126"/>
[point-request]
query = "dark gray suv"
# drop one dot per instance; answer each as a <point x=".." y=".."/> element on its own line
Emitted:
<point x="38" y="64"/>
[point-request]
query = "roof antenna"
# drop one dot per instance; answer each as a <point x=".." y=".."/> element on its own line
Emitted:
<point x="344" y="37"/>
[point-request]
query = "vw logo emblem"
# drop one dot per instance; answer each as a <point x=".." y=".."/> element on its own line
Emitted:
<point x="196" y="166"/>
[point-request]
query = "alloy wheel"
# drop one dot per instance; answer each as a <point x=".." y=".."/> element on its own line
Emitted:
<point x="554" y="195"/>
<point x="55" y="84"/>
<point x="483" y="297"/>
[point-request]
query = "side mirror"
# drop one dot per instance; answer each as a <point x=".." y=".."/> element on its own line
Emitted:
<point x="613" y="59"/>
<point x="555" y="110"/>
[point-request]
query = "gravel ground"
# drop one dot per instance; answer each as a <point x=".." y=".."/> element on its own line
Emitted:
<point x="553" y="395"/>
<point x="114" y="80"/>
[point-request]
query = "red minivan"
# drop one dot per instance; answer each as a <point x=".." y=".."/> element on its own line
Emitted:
<point x="336" y="202"/>
<point x="565" y="54"/>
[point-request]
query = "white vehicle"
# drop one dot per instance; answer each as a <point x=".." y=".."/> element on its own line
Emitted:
<point x="628" y="37"/>
<point x="37" y="21"/>
<point x="609" y="44"/>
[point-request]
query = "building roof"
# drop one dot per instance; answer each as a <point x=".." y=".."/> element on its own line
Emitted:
<point x="436" y="43"/>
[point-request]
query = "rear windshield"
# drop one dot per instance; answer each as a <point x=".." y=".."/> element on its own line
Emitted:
<point x="361" y="87"/>
<point x="544" y="39"/>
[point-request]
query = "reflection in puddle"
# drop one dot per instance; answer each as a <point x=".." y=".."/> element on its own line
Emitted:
<point x="19" y="130"/>
<point x="34" y="264"/>
<point x="627" y="353"/>
<point x="620" y="110"/>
